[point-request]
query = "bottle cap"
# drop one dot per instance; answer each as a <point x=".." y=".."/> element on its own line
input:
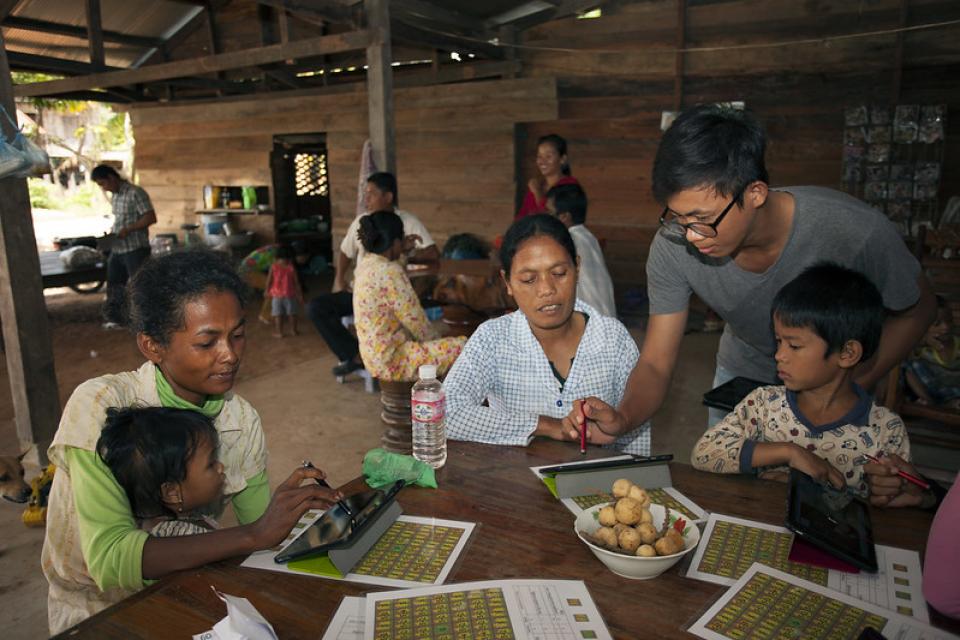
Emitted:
<point x="428" y="371"/>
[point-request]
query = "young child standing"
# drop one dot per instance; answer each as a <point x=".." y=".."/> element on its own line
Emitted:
<point x="826" y="321"/>
<point x="283" y="287"/>
<point x="166" y="461"/>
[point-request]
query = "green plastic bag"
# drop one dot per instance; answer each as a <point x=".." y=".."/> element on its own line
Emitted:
<point x="380" y="468"/>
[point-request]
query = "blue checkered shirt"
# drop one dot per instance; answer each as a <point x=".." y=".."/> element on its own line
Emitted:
<point x="130" y="203"/>
<point x="504" y="364"/>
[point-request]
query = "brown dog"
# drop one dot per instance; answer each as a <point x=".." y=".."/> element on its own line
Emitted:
<point x="12" y="486"/>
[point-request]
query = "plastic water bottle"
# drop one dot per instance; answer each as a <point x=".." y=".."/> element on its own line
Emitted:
<point x="428" y="407"/>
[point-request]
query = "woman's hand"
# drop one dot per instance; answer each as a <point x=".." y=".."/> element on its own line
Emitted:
<point x="814" y="466"/>
<point x="410" y="242"/>
<point x="290" y="501"/>
<point x="536" y="188"/>
<point x="602" y="417"/>
<point x="887" y="489"/>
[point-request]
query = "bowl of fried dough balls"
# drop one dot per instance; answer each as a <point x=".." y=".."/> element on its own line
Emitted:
<point x="634" y="538"/>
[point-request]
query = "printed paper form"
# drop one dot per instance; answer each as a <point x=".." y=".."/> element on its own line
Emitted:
<point x="541" y="609"/>
<point x="729" y="546"/>
<point x="347" y="623"/>
<point x="765" y="601"/>
<point x="419" y="542"/>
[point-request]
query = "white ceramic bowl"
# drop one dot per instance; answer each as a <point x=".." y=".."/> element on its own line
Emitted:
<point x="635" y="567"/>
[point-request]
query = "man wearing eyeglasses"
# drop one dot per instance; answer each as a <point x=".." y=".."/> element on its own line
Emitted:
<point x="731" y="239"/>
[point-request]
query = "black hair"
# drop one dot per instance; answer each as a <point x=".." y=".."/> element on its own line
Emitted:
<point x="145" y="447"/>
<point x="465" y="246"/>
<point x="528" y="227"/>
<point x="836" y="303"/>
<point x="284" y="252"/>
<point x="710" y="146"/>
<point x="157" y="294"/>
<point x="569" y="198"/>
<point x="379" y="230"/>
<point x="560" y="145"/>
<point x="103" y="172"/>
<point x="386" y="182"/>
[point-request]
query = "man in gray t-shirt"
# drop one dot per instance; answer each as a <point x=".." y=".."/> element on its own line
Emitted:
<point x="735" y="242"/>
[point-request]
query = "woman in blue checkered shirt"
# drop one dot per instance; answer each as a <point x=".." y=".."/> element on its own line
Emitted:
<point x="524" y="374"/>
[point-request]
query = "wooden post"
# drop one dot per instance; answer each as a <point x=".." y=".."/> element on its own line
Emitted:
<point x="681" y="41"/>
<point x="898" y="56"/>
<point x="212" y="37"/>
<point x="380" y="85"/>
<point x="26" y="331"/>
<point x="95" y="35"/>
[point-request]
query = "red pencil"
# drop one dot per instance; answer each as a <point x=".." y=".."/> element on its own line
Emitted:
<point x="903" y="474"/>
<point x="583" y="428"/>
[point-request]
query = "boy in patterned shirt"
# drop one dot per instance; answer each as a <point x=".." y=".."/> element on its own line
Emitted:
<point x="826" y="321"/>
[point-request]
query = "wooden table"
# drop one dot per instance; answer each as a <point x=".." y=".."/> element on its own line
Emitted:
<point x="523" y="532"/>
<point x="55" y="274"/>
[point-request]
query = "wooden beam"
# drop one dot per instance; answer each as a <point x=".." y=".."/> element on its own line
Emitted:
<point x="421" y="10"/>
<point x="48" y="64"/>
<point x="421" y="36"/>
<point x="23" y="313"/>
<point x="316" y="10"/>
<point x="380" y="85"/>
<point x="681" y="43"/>
<point x="95" y="37"/>
<point x="45" y="26"/>
<point x="310" y="47"/>
<point x="898" y="56"/>
<point x="535" y="16"/>
<point x="212" y="36"/>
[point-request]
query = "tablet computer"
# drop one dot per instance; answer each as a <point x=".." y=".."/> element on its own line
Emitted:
<point x="730" y="393"/>
<point x="834" y="520"/>
<point x="339" y="525"/>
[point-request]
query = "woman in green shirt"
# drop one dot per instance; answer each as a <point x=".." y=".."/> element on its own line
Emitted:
<point x="186" y="309"/>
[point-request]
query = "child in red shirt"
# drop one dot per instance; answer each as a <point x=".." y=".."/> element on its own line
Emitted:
<point x="283" y="287"/>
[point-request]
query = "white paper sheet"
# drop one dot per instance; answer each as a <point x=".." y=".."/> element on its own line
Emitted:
<point x="890" y="624"/>
<point x="347" y="623"/>
<point x="264" y="559"/>
<point x="575" y="509"/>
<point x="553" y="609"/>
<point x="897" y="585"/>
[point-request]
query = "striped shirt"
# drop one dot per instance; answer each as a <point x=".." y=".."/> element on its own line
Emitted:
<point x="130" y="203"/>
<point x="504" y="365"/>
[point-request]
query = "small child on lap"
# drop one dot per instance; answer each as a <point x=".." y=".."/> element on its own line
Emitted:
<point x="826" y="321"/>
<point x="166" y="462"/>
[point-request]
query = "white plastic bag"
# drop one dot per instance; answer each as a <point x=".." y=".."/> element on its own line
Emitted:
<point x="80" y="257"/>
<point x="21" y="158"/>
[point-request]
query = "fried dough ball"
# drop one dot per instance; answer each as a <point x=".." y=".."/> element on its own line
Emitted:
<point x="607" y="516"/>
<point x="640" y="495"/>
<point x="668" y="545"/>
<point x="646" y="551"/>
<point x="621" y="488"/>
<point x="629" y="539"/>
<point x="619" y="528"/>
<point x="646" y="516"/>
<point x="648" y="533"/>
<point x="606" y="536"/>
<point x="628" y="511"/>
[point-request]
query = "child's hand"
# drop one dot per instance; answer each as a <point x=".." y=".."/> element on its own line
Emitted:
<point x="887" y="489"/>
<point x="814" y="466"/>
<point x="289" y="502"/>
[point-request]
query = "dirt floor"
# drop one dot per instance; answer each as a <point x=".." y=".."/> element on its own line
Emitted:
<point x="305" y="414"/>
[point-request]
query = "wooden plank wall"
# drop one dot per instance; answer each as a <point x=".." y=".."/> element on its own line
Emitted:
<point x="455" y="149"/>
<point x="615" y="84"/>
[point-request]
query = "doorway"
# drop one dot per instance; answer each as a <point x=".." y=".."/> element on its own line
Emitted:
<point x="301" y="188"/>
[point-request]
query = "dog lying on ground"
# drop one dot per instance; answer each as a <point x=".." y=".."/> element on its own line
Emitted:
<point x="12" y="486"/>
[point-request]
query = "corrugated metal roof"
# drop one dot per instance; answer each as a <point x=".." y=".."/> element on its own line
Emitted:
<point x="152" y="18"/>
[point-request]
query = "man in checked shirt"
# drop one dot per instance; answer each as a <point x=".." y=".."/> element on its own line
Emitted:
<point x="132" y="214"/>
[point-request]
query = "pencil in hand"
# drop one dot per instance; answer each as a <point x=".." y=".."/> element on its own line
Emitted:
<point x="583" y="428"/>
<point x="903" y="474"/>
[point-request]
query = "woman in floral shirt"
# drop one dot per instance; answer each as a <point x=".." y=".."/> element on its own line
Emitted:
<point x="393" y="331"/>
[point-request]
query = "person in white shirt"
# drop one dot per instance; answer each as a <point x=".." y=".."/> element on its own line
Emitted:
<point x="327" y="310"/>
<point x="569" y="203"/>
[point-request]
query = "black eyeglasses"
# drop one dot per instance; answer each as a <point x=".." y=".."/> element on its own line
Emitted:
<point x="670" y="220"/>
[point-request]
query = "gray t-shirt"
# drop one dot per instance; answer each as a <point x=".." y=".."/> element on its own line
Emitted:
<point x="828" y="226"/>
